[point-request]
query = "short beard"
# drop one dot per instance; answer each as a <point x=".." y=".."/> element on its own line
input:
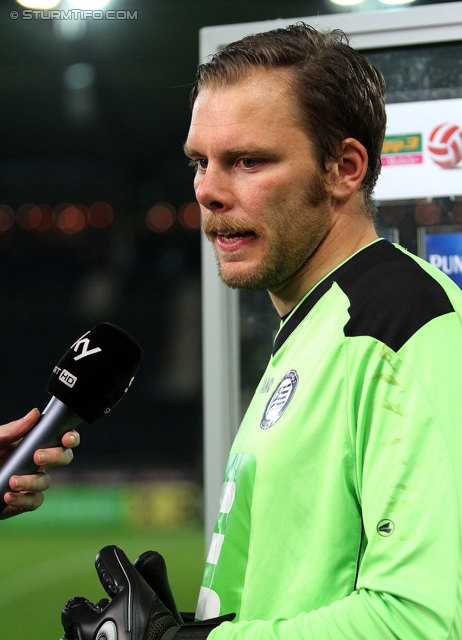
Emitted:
<point x="282" y="261"/>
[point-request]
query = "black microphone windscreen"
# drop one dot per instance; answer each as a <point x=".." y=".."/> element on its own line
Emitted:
<point x="96" y="371"/>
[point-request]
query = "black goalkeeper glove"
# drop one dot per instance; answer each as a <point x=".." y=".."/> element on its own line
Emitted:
<point x="134" y="613"/>
<point x="152" y="567"/>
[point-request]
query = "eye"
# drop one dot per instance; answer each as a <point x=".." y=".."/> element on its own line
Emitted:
<point x="199" y="164"/>
<point x="249" y="163"/>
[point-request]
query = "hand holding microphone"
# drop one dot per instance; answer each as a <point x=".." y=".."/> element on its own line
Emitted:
<point x="88" y="381"/>
<point x="25" y="492"/>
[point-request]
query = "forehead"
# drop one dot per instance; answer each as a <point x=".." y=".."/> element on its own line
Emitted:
<point x="260" y="106"/>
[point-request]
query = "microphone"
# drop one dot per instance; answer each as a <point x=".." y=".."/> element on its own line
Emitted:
<point x="88" y="381"/>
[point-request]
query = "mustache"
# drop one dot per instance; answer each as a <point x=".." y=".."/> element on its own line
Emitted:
<point x="221" y="223"/>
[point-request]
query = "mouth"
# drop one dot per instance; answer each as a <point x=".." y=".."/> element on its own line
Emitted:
<point x="233" y="236"/>
<point x="232" y="242"/>
<point x="229" y="235"/>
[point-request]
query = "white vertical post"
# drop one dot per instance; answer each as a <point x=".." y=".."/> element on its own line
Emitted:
<point x="221" y="380"/>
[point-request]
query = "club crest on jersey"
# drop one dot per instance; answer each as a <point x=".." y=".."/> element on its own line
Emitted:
<point x="280" y="399"/>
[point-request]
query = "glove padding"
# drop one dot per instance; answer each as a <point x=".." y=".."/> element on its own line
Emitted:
<point x="152" y="567"/>
<point x="133" y="613"/>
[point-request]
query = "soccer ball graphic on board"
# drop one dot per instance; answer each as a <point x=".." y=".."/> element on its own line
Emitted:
<point x="445" y="145"/>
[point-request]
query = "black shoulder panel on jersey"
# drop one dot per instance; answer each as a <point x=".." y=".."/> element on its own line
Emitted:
<point x="391" y="296"/>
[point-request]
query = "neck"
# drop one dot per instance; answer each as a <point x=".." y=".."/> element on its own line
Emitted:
<point x="350" y="232"/>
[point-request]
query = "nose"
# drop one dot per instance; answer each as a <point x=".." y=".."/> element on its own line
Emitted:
<point x="212" y="189"/>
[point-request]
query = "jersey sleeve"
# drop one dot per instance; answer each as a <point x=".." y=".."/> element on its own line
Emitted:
<point x="405" y="425"/>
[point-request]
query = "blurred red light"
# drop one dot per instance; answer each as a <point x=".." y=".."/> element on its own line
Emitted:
<point x="72" y="219"/>
<point x="48" y="217"/>
<point x="101" y="214"/>
<point x="22" y="216"/>
<point x="41" y="217"/>
<point x="427" y="213"/>
<point x="34" y="217"/>
<point x="6" y="217"/>
<point x="84" y="209"/>
<point x="160" y="217"/>
<point x="189" y="215"/>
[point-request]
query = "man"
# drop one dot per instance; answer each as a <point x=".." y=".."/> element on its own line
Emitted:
<point x="341" y="510"/>
<point x="27" y="491"/>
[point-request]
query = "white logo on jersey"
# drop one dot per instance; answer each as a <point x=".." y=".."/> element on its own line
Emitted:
<point x="280" y="399"/>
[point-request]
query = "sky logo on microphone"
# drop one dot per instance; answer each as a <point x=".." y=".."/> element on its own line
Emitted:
<point x="84" y="343"/>
<point x="67" y="378"/>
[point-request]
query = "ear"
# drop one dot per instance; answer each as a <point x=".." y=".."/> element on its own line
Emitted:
<point x="349" y="169"/>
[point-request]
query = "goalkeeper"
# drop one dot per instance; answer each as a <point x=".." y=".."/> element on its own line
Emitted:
<point x="341" y="510"/>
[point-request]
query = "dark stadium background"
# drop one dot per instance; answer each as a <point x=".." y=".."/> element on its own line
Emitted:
<point x="118" y="140"/>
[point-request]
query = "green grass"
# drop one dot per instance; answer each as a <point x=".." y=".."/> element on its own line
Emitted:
<point x="40" y="570"/>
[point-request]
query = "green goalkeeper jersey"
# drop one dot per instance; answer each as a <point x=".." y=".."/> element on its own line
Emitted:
<point x="341" y="508"/>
